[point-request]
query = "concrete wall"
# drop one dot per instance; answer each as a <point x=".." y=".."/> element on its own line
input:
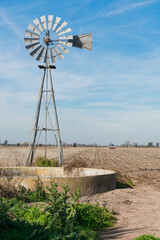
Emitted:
<point x="88" y="180"/>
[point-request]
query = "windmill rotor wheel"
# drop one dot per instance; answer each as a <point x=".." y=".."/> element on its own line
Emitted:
<point x="48" y="39"/>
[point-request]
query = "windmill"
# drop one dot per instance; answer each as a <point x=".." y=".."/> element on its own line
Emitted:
<point x="46" y="40"/>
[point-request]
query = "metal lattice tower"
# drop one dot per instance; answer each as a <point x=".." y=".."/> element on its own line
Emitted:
<point x="46" y="40"/>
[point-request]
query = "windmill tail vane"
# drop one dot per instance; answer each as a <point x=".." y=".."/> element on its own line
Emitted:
<point x="47" y="39"/>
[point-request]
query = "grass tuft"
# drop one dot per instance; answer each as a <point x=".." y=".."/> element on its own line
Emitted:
<point x="45" y="162"/>
<point x="121" y="185"/>
<point x="147" y="237"/>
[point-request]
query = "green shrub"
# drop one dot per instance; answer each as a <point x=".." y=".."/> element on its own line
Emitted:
<point x="94" y="217"/>
<point x="147" y="237"/>
<point x="62" y="212"/>
<point x="64" y="218"/>
<point x="67" y="214"/>
<point x="45" y="162"/>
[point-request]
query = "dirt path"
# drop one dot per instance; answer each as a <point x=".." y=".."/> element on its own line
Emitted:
<point x="137" y="212"/>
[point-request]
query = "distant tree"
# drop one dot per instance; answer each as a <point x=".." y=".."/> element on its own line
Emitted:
<point x="127" y="144"/>
<point x="150" y="144"/>
<point x="109" y="143"/>
<point x="18" y="144"/>
<point x="135" y="144"/>
<point x="5" y="143"/>
<point x="157" y="144"/>
<point x="74" y="144"/>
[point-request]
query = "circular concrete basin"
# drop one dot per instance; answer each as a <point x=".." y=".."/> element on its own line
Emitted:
<point x="88" y="180"/>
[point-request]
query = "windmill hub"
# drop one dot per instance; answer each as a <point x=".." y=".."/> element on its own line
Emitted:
<point x="46" y="38"/>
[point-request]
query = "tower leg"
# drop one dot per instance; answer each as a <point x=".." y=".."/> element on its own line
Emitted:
<point x="60" y="151"/>
<point x="32" y="146"/>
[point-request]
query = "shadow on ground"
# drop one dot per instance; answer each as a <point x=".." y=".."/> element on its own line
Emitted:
<point x="121" y="185"/>
<point x="117" y="233"/>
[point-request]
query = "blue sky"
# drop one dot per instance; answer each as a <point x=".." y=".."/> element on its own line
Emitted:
<point x="109" y="94"/>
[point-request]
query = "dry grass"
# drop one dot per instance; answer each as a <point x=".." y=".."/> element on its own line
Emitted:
<point x="7" y="189"/>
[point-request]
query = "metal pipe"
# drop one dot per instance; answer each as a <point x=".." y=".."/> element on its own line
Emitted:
<point x="46" y="109"/>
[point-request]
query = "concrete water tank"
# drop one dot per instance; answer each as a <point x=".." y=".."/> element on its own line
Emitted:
<point x="88" y="180"/>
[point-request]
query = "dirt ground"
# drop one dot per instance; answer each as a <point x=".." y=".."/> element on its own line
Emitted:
<point x="137" y="210"/>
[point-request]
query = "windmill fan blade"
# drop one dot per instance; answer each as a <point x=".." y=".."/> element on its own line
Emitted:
<point x="46" y="58"/>
<point x="61" y="26"/>
<point x="69" y="44"/>
<point x="50" y="19"/>
<point x="63" y="49"/>
<point x="59" y="54"/>
<point x="56" y="23"/>
<point x="31" y="40"/>
<point x="30" y="34"/>
<point x="64" y="31"/>
<point x="44" y="23"/>
<point x="32" y="46"/>
<point x="33" y="28"/>
<point x="82" y="41"/>
<point x="40" y="55"/>
<point x="66" y="37"/>
<point x="53" y="55"/>
<point x="38" y="24"/>
<point x="35" y="51"/>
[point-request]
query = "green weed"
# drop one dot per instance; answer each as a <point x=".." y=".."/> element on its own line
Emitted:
<point x="120" y="185"/>
<point x="27" y="195"/>
<point x="45" y="162"/>
<point x="147" y="237"/>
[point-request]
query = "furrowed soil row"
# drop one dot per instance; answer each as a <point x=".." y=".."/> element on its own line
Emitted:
<point x="142" y="165"/>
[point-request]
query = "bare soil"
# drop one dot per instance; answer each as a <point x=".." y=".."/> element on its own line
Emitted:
<point x="137" y="210"/>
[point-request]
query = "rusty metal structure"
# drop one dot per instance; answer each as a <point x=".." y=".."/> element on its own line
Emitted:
<point x="46" y="40"/>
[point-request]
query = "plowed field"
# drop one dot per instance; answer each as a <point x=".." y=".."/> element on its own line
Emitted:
<point x="139" y="165"/>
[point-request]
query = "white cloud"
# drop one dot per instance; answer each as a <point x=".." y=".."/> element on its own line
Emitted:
<point x="101" y="104"/>
<point x="102" y="126"/>
<point x="126" y="81"/>
<point x="129" y="7"/>
<point x="10" y="23"/>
